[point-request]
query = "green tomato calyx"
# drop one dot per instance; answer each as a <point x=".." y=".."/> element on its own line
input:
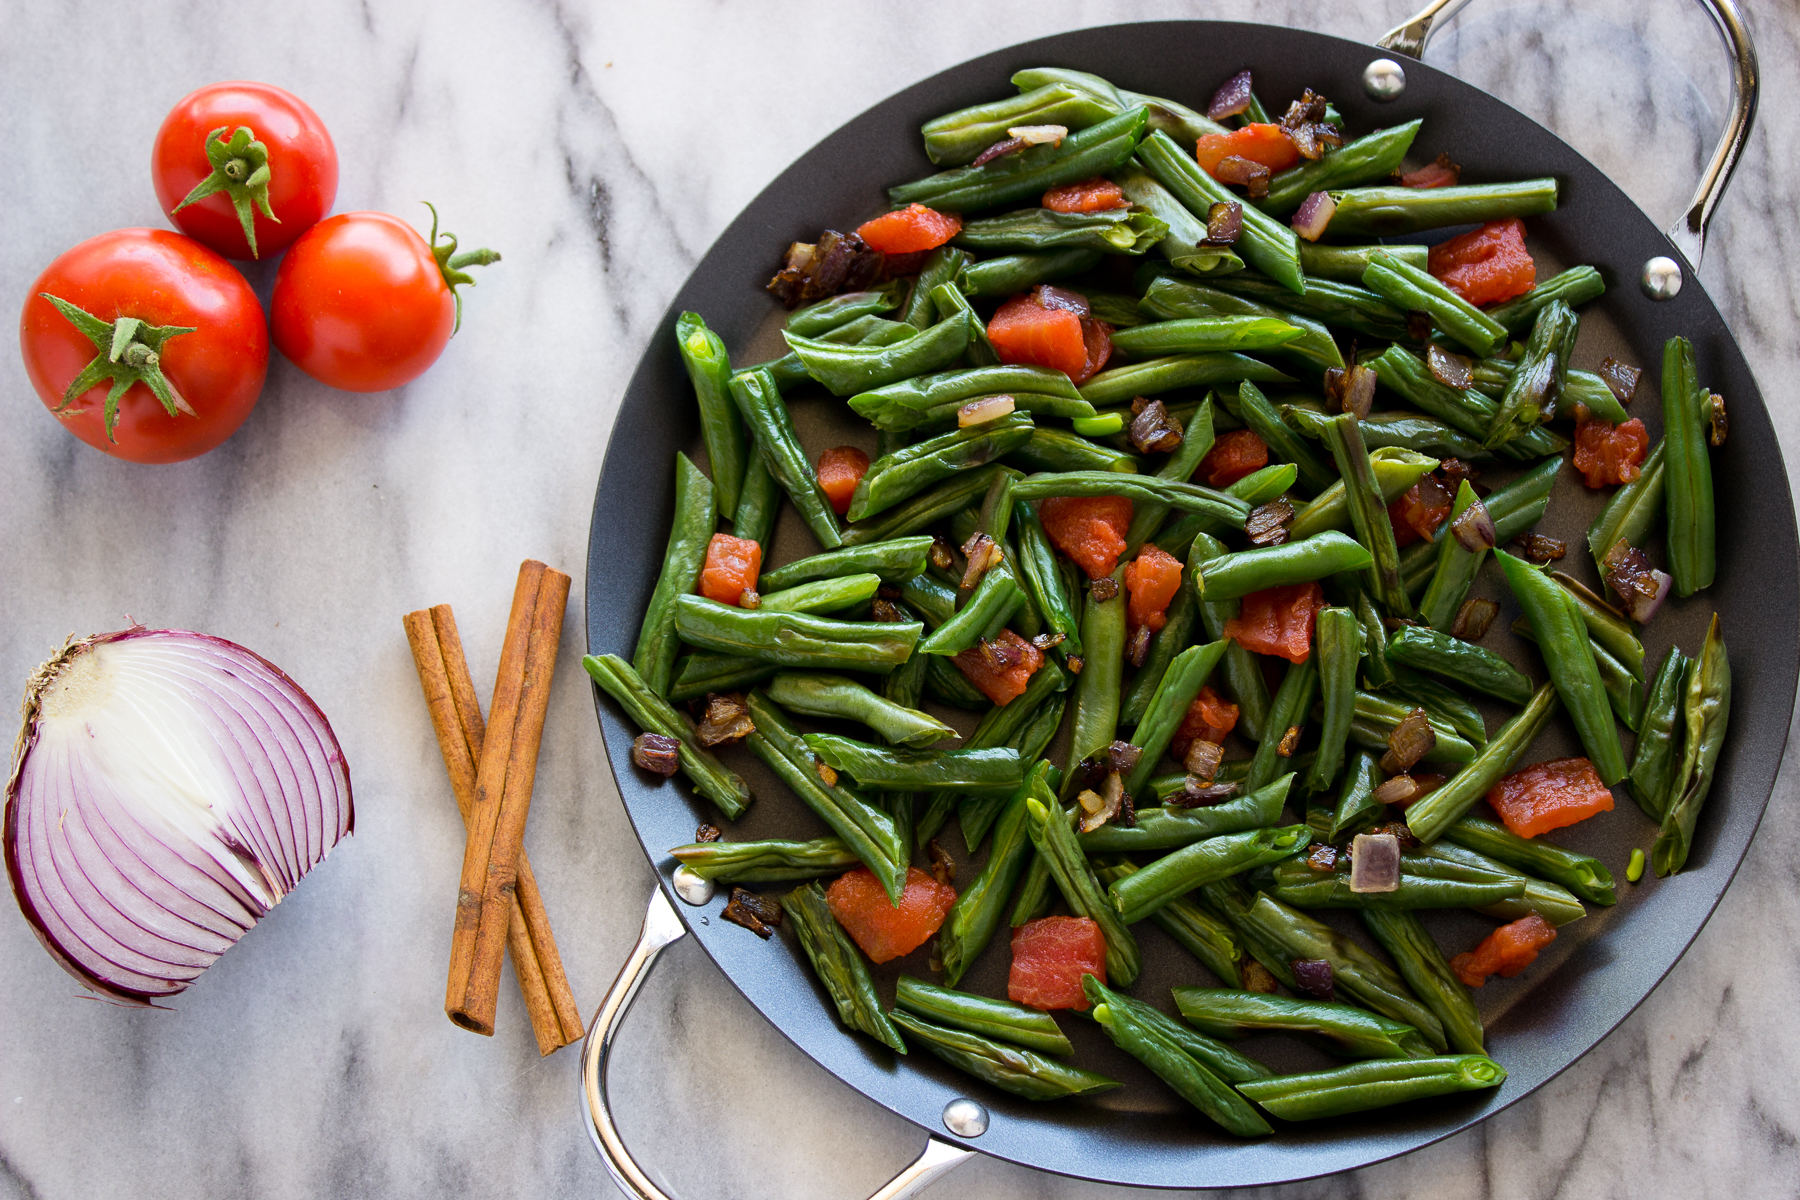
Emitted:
<point x="451" y="264"/>
<point x="240" y="169"/>
<point x="129" y="351"/>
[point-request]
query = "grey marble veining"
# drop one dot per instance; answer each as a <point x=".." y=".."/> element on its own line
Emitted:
<point x="602" y="147"/>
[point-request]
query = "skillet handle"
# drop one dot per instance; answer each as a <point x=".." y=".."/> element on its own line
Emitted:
<point x="663" y="928"/>
<point x="1688" y="233"/>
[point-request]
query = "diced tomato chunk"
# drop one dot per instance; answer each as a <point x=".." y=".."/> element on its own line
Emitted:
<point x="841" y="468"/>
<point x="1026" y="332"/>
<point x="1265" y="144"/>
<point x="1442" y="173"/>
<point x="1506" y="951"/>
<point x="1001" y="684"/>
<point x="1607" y="454"/>
<point x="1208" y="718"/>
<point x="909" y="230"/>
<point x="732" y="565"/>
<point x="1278" y="621"/>
<point x="1089" y="529"/>
<point x="1233" y="456"/>
<point x="1152" y="579"/>
<point x="1488" y="265"/>
<point x="1549" y="795"/>
<point x="1090" y="195"/>
<point x="884" y="932"/>
<point x="1418" y="512"/>
<point x="1049" y="957"/>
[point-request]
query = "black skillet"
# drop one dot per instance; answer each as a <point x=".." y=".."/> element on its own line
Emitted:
<point x="1586" y="983"/>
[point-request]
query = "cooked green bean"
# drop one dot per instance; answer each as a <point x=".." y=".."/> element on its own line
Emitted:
<point x="949" y="303"/>
<point x="1551" y="901"/>
<point x="1605" y="624"/>
<point x="1188" y="497"/>
<point x="1429" y="816"/>
<point x="1337" y="645"/>
<point x="942" y="265"/>
<point x="1382" y="713"/>
<point x="1179" y="688"/>
<point x="1406" y="374"/>
<point x="1440" y="701"/>
<point x="840" y="310"/>
<point x="1388" y="211"/>
<point x="1411" y="289"/>
<point x="1185" y="243"/>
<point x="1582" y="874"/>
<point x="822" y="595"/>
<point x="1263" y="242"/>
<point x="1577" y="285"/>
<point x="1252" y="407"/>
<point x="1001" y="1020"/>
<point x="700" y="673"/>
<point x="1299" y="884"/>
<point x="1407" y="430"/>
<point x="959" y="137"/>
<point x="1350" y="305"/>
<point x="1537" y="381"/>
<point x="1154" y="376"/>
<point x="1131" y="1030"/>
<point x="848" y="369"/>
<point x="1376" y="1084"/>
<point x="926" y="509"/>
<point x="1632" y="510"/>
<point x="1589" y="390"/>
<point x="766" y="416"/>
<point x="1346" y="264"/>
<point x="1196" y="439"/>
<point x="1257" y="489"/>
<point x="1043" y="580"/>
<point x="1170" y="828"/>
<point x="1206" y="335"/>
<point x="1356" y="802"/>
<point x="1096" y="721"/>
<point x="1180" y="618"/>
<point x="1659" y="735"/>
<point x="905" y="473"/>
<point x="1688" y="482"/>
<point x="708" y="366"/>
<point x="1291" y="708"/>
<point x="1441" y="654"/>
<point x="1197" y="931"/>
<point x="1211" y="1053"/>
<point x="892" y="561"/>
<point x="1028" y="174"/>
<point x="759" y="502"/>
<point x="1367" y="159"/>
<point x="1429" y="976"/>
<point x="1007" y="724"/>
<point x="1034" y="892"/>
<point x="1137" y="896"/>
<point x="652" y="714"/>
<point x="1705" y="711"/>
<point x="1367" y="503"/>
<point x="1236" y="574"/>
<point x="691" y="530"/>
<point x="1061" y="450"/>
<point x="1242" y="673"/>
<point x="1169" y="299"/>
<point x="986" y="770"/>
<point x="795" y="639"/>
<point x="1054" y="837"/>
<point x="1340" y="1028"/>
<point x="1010" y="274"/>
<point x="1457" y="567"/>
<point x="981" y="906"/>
<point x="1514" y="508"/>
<point x="768" y="861"/>
<point x="1395" y="470"/>
<point x="1009" y="1068"/>
<point x="1177" y="120"/>
<point x="1110" y="231"/>
<point x="819" y="695"/>
<point x="838" y="964"/>
<point x="995" y="600"/>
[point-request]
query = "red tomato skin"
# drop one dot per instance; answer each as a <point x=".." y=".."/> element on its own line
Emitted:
<point x="1049" y="957"/>
<point x="360" y="303"/>
<point x="880" y="929"/>
<point x="303" y="165"/>
<point x="161" y="278"/>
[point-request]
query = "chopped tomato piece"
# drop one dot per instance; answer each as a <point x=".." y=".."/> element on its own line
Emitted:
<point x="1152" y="580"/>
<point x="1549" y="795"/>
<point x="1504" y="952"/>
<point x="999" y="681"/>
<point x="841" y="468"/>
<point x="1089" y="529"/>
<point x="1278" y="621"/>
<point x="884" y="931"/>
<point x="1208" y="718"/>
<point x="1419" y="512"/>
<point x="1025" y="331"/>
<point x="909" y="230"/>
<point x="1607" y="454"/>
<point x="1487" y="266"/>
<point x="1049" y="957"/>
<point x="732" y="565"/>
<point x="1233" y="456"/>
<point x="1265" y="144"/>
<point x="1442" y="173"/>
<point x="1090" y="195"/>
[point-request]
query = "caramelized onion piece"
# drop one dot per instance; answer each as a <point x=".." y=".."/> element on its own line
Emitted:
<point x="983" y="554"/>
<point x="1640" y="586"/>
<point x="1401" y="790"/>
<point x="1474" y="530"/>
<point x="1231" y="99"/>
<point x="1252" y="176"/>
<point x="838" y="262"/>
<point x="1000" y="656"/>
<point x="826" y="772"/>
<point x="1000" y="149"/>
<point x="1122" y="757"/>
<point x="1351" y="389"/>
<point x="1203" y="760"/>
<point x="749" y="599"/>
<point x="1313" y="977"/>
<point x="1412" y="739"/>
<point x="1621" y="379"/>
<point x="1537" y="548"/>
<point x="1195" y="794"/>
<point x="885" y="610"/>
<point x="1258" y="979"/>
<point x="1099" y="808"/>
<point x="1451" y="370"/>
<point x="1314" y="216"/>
<point x="1375" y="863"/>
<point x="727" y="720"/>
<point x="1225" y="220"/>
<point x="980" y="412"/>
<point x="1717" y="423"/>
<point x="1039" y="135"/>
<point x="707" y="833"/>
<point x="655" y="753"/>
<point x="1138" y="649"/>
<point x="1473" y="619"/>
<point x="1066" y="299"/>
<point x="943" y="867"/>
<point x="756" y="913"/>
<point x="1047" y="641"/>
<point x="1104" y="588"/>
<point x="1454" y="471"/>
<point x="1268" y="523"/>
<point x="1322" y="857"/>
<point x="1304" y="123"/>
<point x="1290" y="741"/>
<point x="1152" y="429"/>
<point x="941" y="555"/>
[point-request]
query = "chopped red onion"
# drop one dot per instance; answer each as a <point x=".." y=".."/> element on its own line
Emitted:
<point x="1473" y="619"/>
<point x="1400" y="790"/>
<point x="1224" y="223"/>
<point x="1104" y="589"/>
<point x="1247" y="173"/>
<point x="1290" y="741"/>
<point x="1314" y="216"/>
<point x="1152" y="429"/>
<point x="1195" y="794"/>
<point x="1717" y="422"/>
<point x="1322" y="856"/>
<point x="1441" y="173"/>
<point x="1122" y="757"/>
<point x="1640" y="586"/>
<point x="983" y="554"/>
<point x="1412" y="739"/>
<point x="707" y="833"/>
<point x="1620" y="379"/>
<point x="1203" y="759"/>
<point x="756" y="913"/>
<point x="1039" y="135"/>
<point x="1137" y="651"/>
<point x="942" y="556"/>
<point x="1231" y="99"/>
<point x="1375" y="863"/>
<point x="1048" y="296"/>
<point x="1049" y="641"/>
<point x="943" y="867"/>
<point x="1351" y="388"/>
<point x="980" y="412"/>
<point x="1098" y="809"/>
<point x="1267" y="524"/>
<point x="727" y="720"/>
<point x="1000" y="149"/>
<point x="1474" y="529"/>
<point x="1451" y="370"/>
<point x="656" y="753"/>
<point x="1538" y="548"/>
<point x="1313" y="977"/>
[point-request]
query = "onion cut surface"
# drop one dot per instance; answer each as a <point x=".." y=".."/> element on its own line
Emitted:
<point x="168" y="789"/>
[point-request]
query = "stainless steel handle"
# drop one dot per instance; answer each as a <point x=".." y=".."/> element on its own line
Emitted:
<point x="1689" y="233"/>
<point x="663" y="928"/>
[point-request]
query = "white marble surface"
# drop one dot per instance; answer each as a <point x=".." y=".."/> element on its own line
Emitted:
<point x="602" y="147"/>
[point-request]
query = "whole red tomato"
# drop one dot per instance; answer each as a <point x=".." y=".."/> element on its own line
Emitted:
<point x="363" y="303"/>
<point x="168" y="282"/>
<point x="286" y="137"/>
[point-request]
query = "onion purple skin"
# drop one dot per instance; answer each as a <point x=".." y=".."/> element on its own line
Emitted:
<point x="1314" y="215"/>
<point x="266" y="688"/>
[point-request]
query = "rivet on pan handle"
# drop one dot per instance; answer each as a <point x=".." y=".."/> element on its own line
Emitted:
<point x="1662" y="276"/>
<point x="662" y="928"/>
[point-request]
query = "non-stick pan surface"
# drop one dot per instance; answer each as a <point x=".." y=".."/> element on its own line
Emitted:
<point x="1595" y="973"/>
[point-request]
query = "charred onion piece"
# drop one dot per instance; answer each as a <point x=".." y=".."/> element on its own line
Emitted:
<point x="1621" y="379"/>
<point x="1152" y="429"/>
<point x="727" y="720"/>
<point x="1451" y="370"/>
<point x="1225" y="219"/>
<point x="1454" y="471"/>
<point x="1473" y="619"/>
<point x="1046" y="641"/>
<point x="1105" y="588"/>
<point x="1000" y="149"/>
<point x="1258" y="979"/>
<point x="1322" y="857"/>
<point x="749" y="599"/>
<point x="1122" y="757"/>
<point x="941" y="555"/>
<point x="1305" y="125"/>
<point x="1314" y="215"/>
<point x="1099" y="808"/>
<point x="655" y="753"/>
<point x="1039" y="135"/>
<point x="1231" y="99"/>
<point x="1401" y="790"/>
<point x="1268" y="523"/>
<point x="1000" y="656"/>
<point x="1717" y="423"/>
<point x="1474" y="530"/>
<point x="1399" y="832"/>
<point x="1313" y="977"/>
<point x="1290" y="741"/>
<point x="980" y="412"/>
<point x="1640" y="586"/>
<point x="1351" y="389"/>
<point x="1535" y="547"/>
<point x="756" y="913"/>
<point x="1412" y="739"/>
<point x="983" y="554"/>
<point x="1197" y="794"/>
<point x="826" y="772"/>
<point x="885" y="610"/>
<point x="1203" y="760"/>
<point x="1375" y="863"/>
<point x="943" y="867"/>
<point x="1138" y="649"/>
<point x="837" y="262"/>
<point x="707" y="833"/>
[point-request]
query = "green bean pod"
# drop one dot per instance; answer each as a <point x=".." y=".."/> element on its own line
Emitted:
<point x="1605" y="624"/>
<point x="905" y="473"/>
<point x="1429" y="976"/>
<point x="1184" y="243"/>
<point x="652" y="714"/>
<point x="1010" y="274"/>
<point x="1410" y="289"/>
<point x="947" y="685"/>
<point x="1053" y="835"/>
<point x="1111" y="231"/>
<point x="1236" y="574"/>
<point x="1537" y="381"/>
<point x="795" y="639"/>
<point x="1177" y="120"/>
<point x="1137" y="896"/>
<point x="1406" y="374"/>
<point x="1043" y="580"/>
<point x="838" y="311"/>
<point x="766" y="416"/>
<point x="942" y="265"/>
<point x="1440" y="701"/>
<point x="1369" y="158"/>
<point x="1568" y="654"/>
<point x="819" y="695"/>
<point x="1014" y="724"/>
<point x="1263" y="242"/>
<point x="1582" y="874"/>
<point x="1375" y="1084"/>
<point x="1389" y="211"/>
<point x="1346" y="264"/>
<point x="981" y="906"/>
<point x="959" y="137"/>
<point x="1154" y="376"/>
<point x="891" y="561"/>
<point x="1196" y="439"/>
<point x="768" y="861"/>
<point x="1291" y="707"/>
<point x="988" y="770"/>
<point x="1706" y="710"/>
<point x="1030" y="173"/>
<point x="1342" y="1029"/>
<point x="1179" y="687"/>
<point x="999" y="1020"/>
<point x="1407" y="430"/>
<point x="1169" y="299"/>
<point x="1165" y="644"/>
<point x="1590" y="391"/>
<point x="1177" y="535"/>
<point x="1356" y="801"/>
<point x="702" y="673"/>
<point x="838" y="964"/>
<point x="976" y="814"/>
<point x="822" y="595"/>
<point x="1380" y="715"/>
<point x="1653" y="758"/>
<point x="925" y="509"/>
<point x="1032" y="899"/>
<point x="1131" y="1031"/>
<point x="1061" y="450"/>
<point x="1632" y="510"/>
<point x="1188" y="497"/>
<point x="1457" y="567"/>
<point x="1118" y="309"/>
<point x="1337" y="645"/>
<point x="1298" y="884"/>
<point x="1368" y="513"/>
<point x="691" y="531"/>
<point x="1171" y="828"/>
<point x="1096" y="721"/>
<point x="1211" y="1053"/>
<point x="1009" y="1068"/>
<point x="1441" y="654"/>
<point x="1514" y="508"/>
<point x="1252" y="407"/>
<point x="1430" y="816"/>
<point x="708" y="366"/>
<point x="949" y="303"/>
<point x="847" y="370"/>
<point x="1575" y="286"/>
<point x="759" y="503"/>
<point x="1206" y="335"/>
<point x="1688" y="482"/>
<point x="1349" y="305"/>
<point x="1394" y="471"/>
<point x="995" y="600"/>
<point x="1242" y="673"/>
<point x="1197" y="931"/>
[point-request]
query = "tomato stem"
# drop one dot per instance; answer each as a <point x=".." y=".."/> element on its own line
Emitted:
<point x="129" y="351"/>
<point x="240" y="169"/>
<point x="450" y="263"/>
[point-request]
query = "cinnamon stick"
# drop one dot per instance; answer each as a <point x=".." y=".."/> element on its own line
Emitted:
<point x="456" y="716"/>
<point x="503" y="782"/>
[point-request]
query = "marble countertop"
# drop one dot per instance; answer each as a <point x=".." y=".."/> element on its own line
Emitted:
<point x="602" y="147"/>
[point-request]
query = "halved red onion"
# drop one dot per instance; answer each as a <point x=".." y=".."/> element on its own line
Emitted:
<point x="980" y="412"/>
<point x="1231" y="99"/>
<point x="1474" y="529"/>
<point x="1375" y="863"/>
<point x="1314" y="216"/>
<point x="169" y="789"/>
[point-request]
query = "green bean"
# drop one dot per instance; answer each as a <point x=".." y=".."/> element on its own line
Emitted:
<point x="1406" y="430"/>
<point x="1009" y="1068"/>
<point x="868" y="331"/>
<point x="1348" y="305"/>
<point x="1706" y="709"/>
<point x="1337" y="645"/>
<point x="1340" y="1028"/>
<point x="981" y="906"/>
<point x="1118" y="309"/>
<point x="823" y="595"/>
<point x="1411" y="289"/>
<point x="1172" y="828"/>
<point x="905" y="473"/>
<point x="1654" y="756"/>
<point x="1367" y="503"/>
<point x="1242" y="673"/>
<point x="1179" y="688"/>
<point x="1197" y="931"/>
<point x="1111" y="231"/>
<point x="1582" y="874"/>
<point x="1569" y="656"/>
<point x="892" y="562"/>
<point x="1263" y="242"/>
<point x="1196" y="439"/>
<point x="1061" y="450"/>
<point x="1605" y="624"/>
<point x="976" y="814"/>
<point x="1188" y="497"/>
<point x="1096" y="721"/>
<point x="1469" y="411"/>
<point x="1590" y="391"/>
<point x="1238" y="573"/>
<point x="1010" y="274"/>
<point x="1422" y="965"/>
<point x="925" y="509"/>
<point x="1688" y="473"/>
<point x="1388" y="211"/>
<point x="700" y="674"/>
<point x="840" y="310"/>
<point x="1000" y="1020"/>
<point x="995" y="600"/>
<point x="1514" y="508"/>
<point x="708" y="366"/>
<point x="1130" y="1030"/>
<point x="759" y="503"/>
<point x="1367" y="159"/>
<point x="1438" y="700"/>
<point x="1375" y="1084"/>
<point x="1383" y="715"/>
<point x="1137" y="896"/>
<point x="1356" y="802"/>
<point x="1537" y="382"/>
<point x="1394" y="471"/>
<point x="925" y="399"/>
<point x="846" y="370"/>
<point x="818" y="695"/>
<point x="1209" y="1052"/>
<point x="949" y="303"/>
<point x="1034" y="891"/>
<point x="795" y="639"/>
<point x="838" y="964"/>
<point x="1177" y="120"/>
<point x="1298" y="884"/>
<point x="1052" y="834"/>
<point x="988" y="770"/>
<point x="1184" y="244"/>
<point x="942" y="265"/>
<point x="770" y="861"/>
<point x="1289" y="709"/>
<point x="960" y="137"/>
<point x="1483" y="670"/>
<point x="1169" y="299"/>
<point x="691" y="531"/>
<point x="1457" y="566"/>
<point x="1430" y="816"/>
<point x="778" y="446"/>
<point x="1003" y="725"/>
<point x="1632" y="510"/>
<point x="1177" y="632"/>
<point x="934" y="601"/>
<point x="1577" y="285"/>
<point x="1205" y="335"/>
<point x="1154" y="376"/>
<point x="1037" y="568"/>
<point x="1228" y="901"/>
<point x="1031" y="172"/>
<point x="1551" y="901"/>
<point x="1346" y="264"/>
<point x="1253" y="408"/>
<point x="652" y="714"/>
